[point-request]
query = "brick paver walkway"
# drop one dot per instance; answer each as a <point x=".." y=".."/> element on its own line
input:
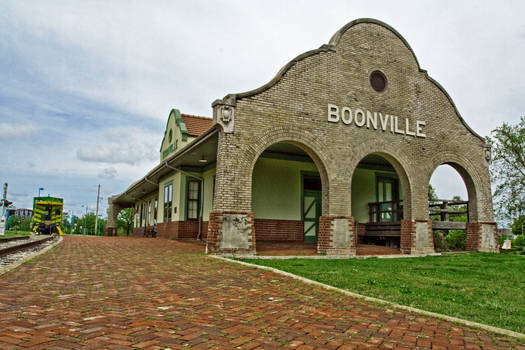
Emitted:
<point x="123" y="293"/>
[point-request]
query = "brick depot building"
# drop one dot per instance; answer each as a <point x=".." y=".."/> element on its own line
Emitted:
<point x="337" y="149"/>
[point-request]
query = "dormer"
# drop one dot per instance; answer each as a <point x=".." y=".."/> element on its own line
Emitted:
<point x="181" y="129"/>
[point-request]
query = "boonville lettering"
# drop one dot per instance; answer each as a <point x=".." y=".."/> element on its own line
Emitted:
<point x="375" y="120"/>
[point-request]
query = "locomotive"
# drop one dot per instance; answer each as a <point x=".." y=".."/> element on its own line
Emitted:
<point x="47" y="215"/>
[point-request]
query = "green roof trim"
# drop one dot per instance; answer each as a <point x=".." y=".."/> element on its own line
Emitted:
<point x="179" y="122"/>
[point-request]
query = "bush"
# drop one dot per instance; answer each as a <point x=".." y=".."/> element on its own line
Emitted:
<point x="519" y="241"/>
<point x="456" y="240"/>
<point x="17" y="223"/>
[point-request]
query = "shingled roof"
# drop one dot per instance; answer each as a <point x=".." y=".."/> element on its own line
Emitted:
<point x="196" y="125"/>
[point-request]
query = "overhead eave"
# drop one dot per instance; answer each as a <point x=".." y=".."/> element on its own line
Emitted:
<point x="187" y="156"/>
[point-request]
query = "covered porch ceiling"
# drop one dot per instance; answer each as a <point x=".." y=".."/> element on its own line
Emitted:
<point x="197" y="157"/>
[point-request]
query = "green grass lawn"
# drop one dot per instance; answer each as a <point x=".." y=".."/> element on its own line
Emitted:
<point x="480" y="287"/>
<point x="9" y="234"/>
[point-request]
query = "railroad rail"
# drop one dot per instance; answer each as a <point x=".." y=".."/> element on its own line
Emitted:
<point x="13" y="250"/>
<point x="9" y="239"/>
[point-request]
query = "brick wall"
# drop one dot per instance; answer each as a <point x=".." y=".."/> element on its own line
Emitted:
<point x="360" y="230"/>
<point x="279" y="230"/>
<point x="176" y="230"/>
<point x="408" y="233"/>
<point x="473" y="235"/>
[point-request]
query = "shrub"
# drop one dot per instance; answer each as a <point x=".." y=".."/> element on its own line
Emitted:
<point x="456" y="240"/>
<point x="519" y="241"/>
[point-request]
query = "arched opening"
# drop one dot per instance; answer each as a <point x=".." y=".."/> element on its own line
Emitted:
<point x="451" y="193"/>
<point x="287" y="200"/>
<point x="377" y="205"/>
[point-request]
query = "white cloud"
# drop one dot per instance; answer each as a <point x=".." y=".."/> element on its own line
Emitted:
<point x="108" y="173"/>
<point x="125" y="145"/>
<point x="16" y="131"/>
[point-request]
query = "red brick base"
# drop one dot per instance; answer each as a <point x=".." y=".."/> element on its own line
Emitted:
<point x="408" y="236"/>
<point x="325" y="242"/>
<point x="279" y="230"/>
<point x="360" y="231"/>
<point x="214" y="233"/>
<point x="182" y="229"/>
<point x="176" y="230"/>
<point x="474" y="236"/>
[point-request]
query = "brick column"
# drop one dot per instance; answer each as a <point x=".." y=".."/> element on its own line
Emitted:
<point x="231" y="232"/>
<point x="113" y="211"/>
<point x="336" y="235"/>
<point x="482" y="236"/>
<point x="408" y="234"/>
<point x="417" y="236"/>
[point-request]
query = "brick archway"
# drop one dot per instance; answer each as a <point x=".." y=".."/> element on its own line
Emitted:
<point x="300" y="138"/>
<point x="397" y="160"/>
<point x="481" y="228"/>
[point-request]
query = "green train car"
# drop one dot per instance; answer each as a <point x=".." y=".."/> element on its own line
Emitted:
<point x="47" y="215"/>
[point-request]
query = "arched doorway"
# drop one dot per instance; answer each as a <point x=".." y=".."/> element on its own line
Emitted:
<point x="287" y="200"/>
<point x="377" y="205"/>
<point x="451" y="206"/>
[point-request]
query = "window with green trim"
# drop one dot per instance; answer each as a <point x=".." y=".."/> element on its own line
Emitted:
<point x="155" y="208"/>
<point x="193" y="200"/>
<point x="149" y="213"/>
<point x="213" y="190"/>
<point x="141" y="213"/>
<point x="168" y="201"/>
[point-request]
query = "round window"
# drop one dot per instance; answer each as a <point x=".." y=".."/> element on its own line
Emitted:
<point x="378" y="81"/>
<point x="170" y="136"/>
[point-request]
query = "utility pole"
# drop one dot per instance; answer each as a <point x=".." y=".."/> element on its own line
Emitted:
<point x="96" y="215"/>
<point x="4" y="206"/>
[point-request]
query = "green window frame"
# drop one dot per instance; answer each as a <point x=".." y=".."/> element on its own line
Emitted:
<point x="140" y="214"/>
<point x="193" y="195"/>
<point x="168" y="201"/>
<point x="149" y="213"/>
<point x="384" y="183"/>
<point x="155" y="208"/>
<point x="213" y="190"/>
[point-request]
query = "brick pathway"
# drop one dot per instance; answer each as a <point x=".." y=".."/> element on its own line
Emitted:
<point x="123" y="293"/>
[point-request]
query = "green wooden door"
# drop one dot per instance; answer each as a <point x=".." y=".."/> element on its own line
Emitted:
<point x="311" y="213"/>
<point x="387" y="191"/>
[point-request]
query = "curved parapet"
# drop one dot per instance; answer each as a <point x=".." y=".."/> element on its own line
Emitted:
<point x="332" y="47"/>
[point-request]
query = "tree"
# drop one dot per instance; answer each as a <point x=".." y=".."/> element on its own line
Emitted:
<point x="125" y="220"/>
<point x="518" y="226"/>
<point x="508" y="169"/>
<point x="431" y="193"/>
<point x="87" y="222"/>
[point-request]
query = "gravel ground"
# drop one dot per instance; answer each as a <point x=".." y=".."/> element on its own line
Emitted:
<point x="9" y="259"/>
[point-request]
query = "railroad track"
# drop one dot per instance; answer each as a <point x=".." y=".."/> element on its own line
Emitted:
<point x="10" y="239"/>
<point x="12" y="250"/>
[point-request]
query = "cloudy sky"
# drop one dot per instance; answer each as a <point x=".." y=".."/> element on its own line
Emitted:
<point x="86" y="86"/>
